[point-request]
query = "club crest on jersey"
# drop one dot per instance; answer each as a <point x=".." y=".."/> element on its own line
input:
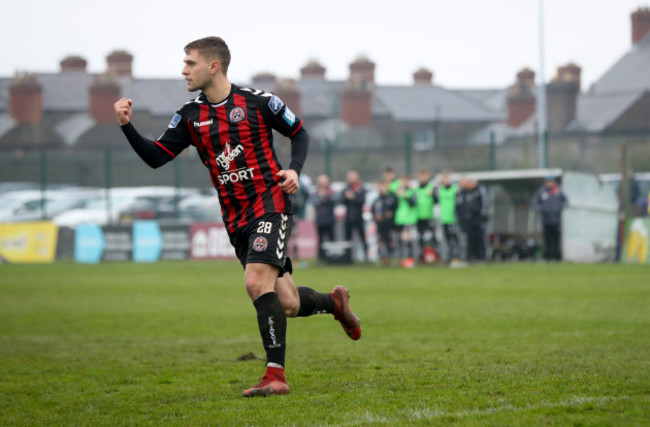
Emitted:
<point x="175" y="121"/>
<point x="260" y="244"/>
<point x="289" y="117"/>
<point x="237" y="114"/>
<point x="275" y="104"/>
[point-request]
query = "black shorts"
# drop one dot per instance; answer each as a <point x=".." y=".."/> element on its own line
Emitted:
<point x="265" y="241"/>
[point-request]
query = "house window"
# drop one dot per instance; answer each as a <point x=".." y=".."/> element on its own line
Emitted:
<point x="424" y="139"/>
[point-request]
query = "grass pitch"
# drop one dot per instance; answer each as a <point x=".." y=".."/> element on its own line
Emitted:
<point x="160" y="344"/>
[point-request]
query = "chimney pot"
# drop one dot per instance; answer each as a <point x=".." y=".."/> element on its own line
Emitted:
<point x="313" y="70"/>
<point x="423" y="77"/>
<point x="363" y="69"/>
<point x="73" y="63"/>
<point x="120" y="63"/>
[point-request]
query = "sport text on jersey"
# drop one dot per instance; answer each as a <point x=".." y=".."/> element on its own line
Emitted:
<point x="242" y="174"/>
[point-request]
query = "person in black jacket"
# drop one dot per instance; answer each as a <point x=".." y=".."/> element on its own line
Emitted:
<point x="354" y="197"/>
<point x="324" y="201"/>
<point x="472" y="209"/>
<point x="550" y="200"/>
<point x="383" y="213"/>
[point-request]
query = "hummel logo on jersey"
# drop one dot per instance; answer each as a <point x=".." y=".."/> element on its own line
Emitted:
<point x="279" y="250"/>
<point x="205" y="123"/>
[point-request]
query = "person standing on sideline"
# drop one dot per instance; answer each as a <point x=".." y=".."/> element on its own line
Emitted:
<point x="550" y="201"/>
<point x="406" y="218"/>
<point x="232" y="130"/>
<point x="354" y="197"/>
<point x="445" y="196"/>
<point x="473" y="212"/>
<point x="383" y="213"/>
<point x="324" y="201"/>
<point x="424" y="207"/>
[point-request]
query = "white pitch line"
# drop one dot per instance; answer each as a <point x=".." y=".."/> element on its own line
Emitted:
<point x="416" y="414"/>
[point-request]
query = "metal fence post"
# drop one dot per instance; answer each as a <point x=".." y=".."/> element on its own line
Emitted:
<point x="108" y="184"/>
<point x="408" y="152"/>
<point x="43" y="181"/>
<point x="493" y="149"/>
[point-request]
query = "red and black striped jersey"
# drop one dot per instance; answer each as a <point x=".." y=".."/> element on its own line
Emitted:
<point x="234" y="139"/>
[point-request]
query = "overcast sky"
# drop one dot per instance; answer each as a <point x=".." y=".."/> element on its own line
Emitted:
<point x="466" y="43"/>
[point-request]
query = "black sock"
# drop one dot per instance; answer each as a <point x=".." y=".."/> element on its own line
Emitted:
<point x="273" y="327"/>
<point x="312" y="302"/>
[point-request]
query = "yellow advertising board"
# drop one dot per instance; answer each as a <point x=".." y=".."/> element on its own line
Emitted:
<point x="637" y="243"/>
<point x="29" y="242"/>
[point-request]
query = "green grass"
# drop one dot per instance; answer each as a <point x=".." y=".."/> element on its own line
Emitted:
<point x="157" y="344"/>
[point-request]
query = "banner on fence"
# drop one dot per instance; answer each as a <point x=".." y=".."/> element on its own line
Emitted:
<point x="637" y="243"/>
<point x="29" y="242"/>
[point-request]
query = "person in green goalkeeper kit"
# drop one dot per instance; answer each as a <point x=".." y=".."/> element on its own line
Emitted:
<point x="445" y="195"/>
<point x="424" y="207"/>
<point x="406" y="218"/>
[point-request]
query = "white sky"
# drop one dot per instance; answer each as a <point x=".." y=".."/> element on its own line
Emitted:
<point x="466" y="43"/>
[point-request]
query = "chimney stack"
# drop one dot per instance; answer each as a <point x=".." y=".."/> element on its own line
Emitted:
<point x="312" y="71"/>
<point x="562" y="95"/>
<point x="640" y="23"/>
<point x="423" y="77"/>
<point x="356" y="103"/>
<point x="521" y="100"/>
<point x="26" y="99"/>
<point x="287" y="90"/>
<point x="102" y="95"/>
<point x="264" y="81"/>
<point x="73" y="63"/>
<point x="120" y="63"/>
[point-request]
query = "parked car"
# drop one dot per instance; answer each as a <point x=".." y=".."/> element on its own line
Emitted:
<point x="108" y="209"/>
<point x="34" y="205"/>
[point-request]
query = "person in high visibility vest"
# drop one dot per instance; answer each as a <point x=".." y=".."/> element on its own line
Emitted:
<point x="445" y="195"/>
<point x="424" y="207"/>
<point x="406" y="218"/>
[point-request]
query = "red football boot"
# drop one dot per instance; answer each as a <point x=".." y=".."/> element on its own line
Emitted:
<point x="273" y="382"/>
<point x="342" y="312"/>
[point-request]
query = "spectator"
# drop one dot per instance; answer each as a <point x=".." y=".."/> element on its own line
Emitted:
<point x="383" y="213"/>
<point x="472" y="206"/>
<point x="424" y="207"/>
<point x="299" y="201"/>
<point x="354" y="197"/>
<point x="324" y="201"/>
<point x="550" y="200"/>
<point x="406" y="218"/>
<point x="445" y="195"/>
<point x="391" y="180"/>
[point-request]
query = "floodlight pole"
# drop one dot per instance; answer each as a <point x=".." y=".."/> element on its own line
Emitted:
<point x="541" y="98"/>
